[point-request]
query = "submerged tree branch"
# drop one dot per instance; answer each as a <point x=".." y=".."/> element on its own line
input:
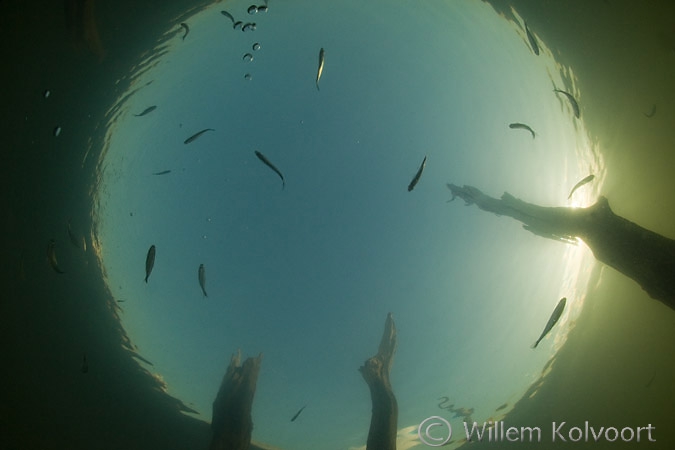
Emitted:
<point x="231" y="423"/>
<point x="645" y="256"/>
<point x="375" y="371"/>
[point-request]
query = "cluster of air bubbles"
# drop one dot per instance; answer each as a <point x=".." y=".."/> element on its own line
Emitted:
<point x="246" y="27"/>
<point x="253" y="9"/>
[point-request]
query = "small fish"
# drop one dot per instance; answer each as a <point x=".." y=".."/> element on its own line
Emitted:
<point x="533" y="41"/>
<point x="253" y="9"/>
<point x="262" y="9"/>
<point x="163" y="172"/>
<point x="149" y="262"/>
<point x="47" y="93"/>
<point x="651" y="113"/>
<point x="522" y="126"/>
<point x="73" y="239"/>
<point x="298" y="413"/>
<point x="573" y="102"/>
<point x="196" y="135"/>
<point x="414" y="181"/>
<point x="187" y="29"/>
<point x="251" y="26"/>
<point x="267" y="162"/>
<point x="557" y="312"/>
<point x="51" y="256"/>
<point x="85" y="364"/>
<point x="202" y="279"/>
<point x="237" y="24"/>
<point x="228" y="15"/>
<point x="322" y="55"/>
<point x="57" y="131"/>
<point x="588" y="179"/>
<point x="147" y="110"/>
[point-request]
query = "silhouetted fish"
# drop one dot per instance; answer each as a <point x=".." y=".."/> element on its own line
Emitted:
<point x="147" y="110"/>
<point x="163" y="172"/>
<point x="149" y="262"/>
<point x="588" y="179"/>
<point x="228" y="15"/>
<point x="298" y="413"/>
<point x="533" y="41"/>
<point x="651" y="113"/>
<point x="414" y="181"/>
<point x="522" y="126"/>
<point x="267" y="162"/>
<point x="85" y="364"/>
<point x="51" y="256"/>
<point x="196" y="135"/>
<point x="237" y="24"/>
<point x="557" y="312"/>
<point x="202" y="279"/>
<point x="187" y="29"/>
<point x="57" y="131"/>
<point x="252" y="9"/>
<point x="573" y="102"/>
<point x="322" y="56"/>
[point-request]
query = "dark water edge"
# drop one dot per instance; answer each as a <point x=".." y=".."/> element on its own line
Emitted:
<point x="622" y="54"/>
<point x="51" y="320"/>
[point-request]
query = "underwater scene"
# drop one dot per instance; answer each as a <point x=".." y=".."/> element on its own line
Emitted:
<point x="338" y="225"/>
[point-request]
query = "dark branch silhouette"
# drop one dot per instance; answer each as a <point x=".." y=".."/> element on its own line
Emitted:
<point x="382" y="433"/>
<point x="645" y="256"/>
<point x="231" y="422"/>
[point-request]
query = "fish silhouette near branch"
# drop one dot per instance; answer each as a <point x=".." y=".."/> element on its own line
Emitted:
<point x="586" y="180"/>
<point x="557" y="312"/>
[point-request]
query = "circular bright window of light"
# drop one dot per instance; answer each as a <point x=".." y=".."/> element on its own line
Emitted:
<point x="306" y="269"/>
